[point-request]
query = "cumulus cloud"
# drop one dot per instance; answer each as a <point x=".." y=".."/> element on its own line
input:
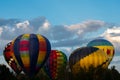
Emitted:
<point x="86" y="26"/>
<point x="113" y="35"/>
<point x="60" y="36"/>
<point x="90" y="25"/>
<point x="24" y="24"/>
<point x="36" y="23"/>
<point x="44" y="29"/>
<point x="75" y="34"/>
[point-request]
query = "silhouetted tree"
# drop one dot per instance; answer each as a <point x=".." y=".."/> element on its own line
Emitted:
<point x="66" y="74"/>
<point x="5" y="74"/>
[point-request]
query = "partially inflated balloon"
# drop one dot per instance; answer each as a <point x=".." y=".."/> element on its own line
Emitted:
<point x="55" y="64"/>
<point x="86" y="57"/>
<point x="31" y="52"/>
<point x="105" y="45"/>
<point x="10" y="58"/>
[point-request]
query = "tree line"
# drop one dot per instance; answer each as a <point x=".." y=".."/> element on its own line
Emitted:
<point x="65" y="74"/>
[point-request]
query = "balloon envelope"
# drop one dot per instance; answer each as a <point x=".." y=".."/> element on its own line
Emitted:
<point x="105" y="45"/>
<point x="31" y="52"/>
<point x="55" y="64"/>
<point x="87" y="57"/>
<point x="10" y="58"/>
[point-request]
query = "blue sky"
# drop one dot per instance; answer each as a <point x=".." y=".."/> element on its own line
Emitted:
<point x="68" y="24"/>
<point x="62" y="11"/>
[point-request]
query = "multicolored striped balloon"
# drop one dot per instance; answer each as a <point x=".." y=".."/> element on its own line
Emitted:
<point x="86" y="57"/>
<point x="31" y="52"/>
<point x="55" y="64"/>
<point x="10" y="58"/>
<point x="104" y="45"/>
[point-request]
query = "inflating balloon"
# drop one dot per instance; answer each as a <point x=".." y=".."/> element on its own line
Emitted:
<point x="10" y="58"/>
<point x="86" y="57"/>
<point x="31" y="52"/>
<point x="105" y="45"/>
<point x="55" y="64"/>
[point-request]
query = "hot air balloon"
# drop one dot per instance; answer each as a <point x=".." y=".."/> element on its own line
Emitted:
<point x="85" y="57"/>
<point x="31" y="52"/>
<point x="105" y="45"/>
<point x="55" y="64"/>
<point x="10" y="58"/>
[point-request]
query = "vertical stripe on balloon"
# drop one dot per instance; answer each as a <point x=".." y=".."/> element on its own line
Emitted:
<point x="16" y="50"/>
<point x="42" y="50"/>
<point x="24" y="51"/>
<point x="33" y="52"/>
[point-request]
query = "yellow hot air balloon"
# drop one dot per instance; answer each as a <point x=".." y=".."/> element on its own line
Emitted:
<point x="86" y="57"/>
<point x="105" y="45"/>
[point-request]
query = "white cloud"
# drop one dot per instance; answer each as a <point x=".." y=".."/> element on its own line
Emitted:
<point x="113" y="35"/>
<point x="86" y="27"/>
<point x="115" y="29"/>
<point x="24" y="24"/>
<point x="115" y="62"/>
<point x="46" y="25"/>
<point x="1" y="30"/>
<point x="89" y="25"/>
<point x="76" y="34"/>
<point x="44" y="29"/>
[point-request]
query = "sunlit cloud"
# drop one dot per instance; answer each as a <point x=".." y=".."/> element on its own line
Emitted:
<point x="24" y="24"/>
<point x="46" y="25"/>
<point x="113" y="35"/>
